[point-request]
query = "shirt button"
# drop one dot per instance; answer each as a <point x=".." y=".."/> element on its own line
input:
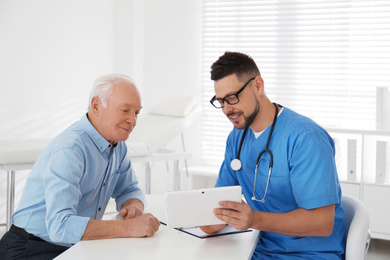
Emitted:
<point x="100" y="208"/>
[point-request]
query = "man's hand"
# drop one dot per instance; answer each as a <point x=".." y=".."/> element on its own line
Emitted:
<point x="298" y="222"/>
<point x="240" y="216"/>
<point x="130" y="211"/>
<point x="142" y="226"/>
<point x="237" y="215"/>
<point x="212" y="228"/>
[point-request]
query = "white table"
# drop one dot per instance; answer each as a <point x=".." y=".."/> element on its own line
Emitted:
<point x="167" y="243"/>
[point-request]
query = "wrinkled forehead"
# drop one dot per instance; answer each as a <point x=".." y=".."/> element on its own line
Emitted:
<point x="125" y="94"/>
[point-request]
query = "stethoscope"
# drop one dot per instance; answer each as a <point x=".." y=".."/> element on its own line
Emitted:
<point x="236" y="163"/>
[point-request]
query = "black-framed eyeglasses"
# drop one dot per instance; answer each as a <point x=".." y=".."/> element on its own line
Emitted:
<point x="230" y="99"/>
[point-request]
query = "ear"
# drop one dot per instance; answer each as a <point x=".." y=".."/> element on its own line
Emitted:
<point x="95" y="105"/>
<point x="259" y="84"/>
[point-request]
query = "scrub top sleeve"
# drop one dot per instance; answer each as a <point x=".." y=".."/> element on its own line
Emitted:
<point x="313" y="171"/>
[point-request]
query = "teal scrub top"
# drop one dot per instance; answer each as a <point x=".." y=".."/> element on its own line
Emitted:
<point x="303" y="175"/>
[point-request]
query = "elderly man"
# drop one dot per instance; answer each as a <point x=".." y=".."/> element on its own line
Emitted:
<point x="69" y="187"/>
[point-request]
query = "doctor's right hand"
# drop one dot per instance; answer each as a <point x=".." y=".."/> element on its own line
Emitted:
<point x="238" y="215"/>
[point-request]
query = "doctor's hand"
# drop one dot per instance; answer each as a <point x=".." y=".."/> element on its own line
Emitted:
<point x="212" y="228"/>
<point x="239" y="216"/>
<point x="130" y="211"/>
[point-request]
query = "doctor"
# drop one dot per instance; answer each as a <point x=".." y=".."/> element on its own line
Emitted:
<point x="285" y="165"/>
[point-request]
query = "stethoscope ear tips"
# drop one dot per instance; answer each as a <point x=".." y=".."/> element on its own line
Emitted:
<point x="235" y="164"/>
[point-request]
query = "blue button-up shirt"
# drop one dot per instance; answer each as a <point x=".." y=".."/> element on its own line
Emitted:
<point x="72" y="182"/>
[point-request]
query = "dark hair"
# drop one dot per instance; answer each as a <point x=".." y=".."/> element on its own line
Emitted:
<point x="234" y="63"/>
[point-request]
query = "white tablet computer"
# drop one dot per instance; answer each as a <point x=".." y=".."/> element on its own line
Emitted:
<point x="192" y="208"/>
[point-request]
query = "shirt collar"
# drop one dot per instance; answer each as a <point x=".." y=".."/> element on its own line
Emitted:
<point x="100" y="142"/>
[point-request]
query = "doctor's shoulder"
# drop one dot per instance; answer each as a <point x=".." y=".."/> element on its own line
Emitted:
<point x="298" y="122"/>
<point x="298" y="127"/>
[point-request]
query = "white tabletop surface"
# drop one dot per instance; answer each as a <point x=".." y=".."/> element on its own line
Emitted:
<point x="167" y="243"/>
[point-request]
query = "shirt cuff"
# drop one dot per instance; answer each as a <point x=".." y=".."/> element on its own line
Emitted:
<point x="75" y="228"/>
<point x="139" y="195"/>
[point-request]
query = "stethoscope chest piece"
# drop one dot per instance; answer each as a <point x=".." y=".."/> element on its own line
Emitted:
<point x="235" y="164"/>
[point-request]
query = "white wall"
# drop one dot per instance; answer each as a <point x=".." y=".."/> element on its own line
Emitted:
<point x="167" y="36"/>
<point x="51" y="51"/>
<point x="171" y="48"/>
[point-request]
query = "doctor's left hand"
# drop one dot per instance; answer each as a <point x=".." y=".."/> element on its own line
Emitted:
<point x="130" y="211"/>
<point x="240" y="216"/>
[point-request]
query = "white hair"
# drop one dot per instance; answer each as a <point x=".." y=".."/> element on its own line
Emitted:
<point x="103" y="87"/>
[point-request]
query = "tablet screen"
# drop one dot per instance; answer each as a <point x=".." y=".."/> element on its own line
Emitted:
<point x="192" y="208"/>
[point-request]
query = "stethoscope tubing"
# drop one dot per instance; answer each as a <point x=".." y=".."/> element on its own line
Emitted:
<point x="266" y="150"/>
<point x="236" y="163"/>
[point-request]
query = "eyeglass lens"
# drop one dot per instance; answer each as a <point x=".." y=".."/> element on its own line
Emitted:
<point x="230" y="99"/>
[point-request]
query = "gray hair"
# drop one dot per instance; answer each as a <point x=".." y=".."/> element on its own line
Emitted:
<point x="103" y="87"/>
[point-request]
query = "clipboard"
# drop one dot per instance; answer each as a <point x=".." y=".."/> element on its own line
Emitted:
<point x="197" y="232"/>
